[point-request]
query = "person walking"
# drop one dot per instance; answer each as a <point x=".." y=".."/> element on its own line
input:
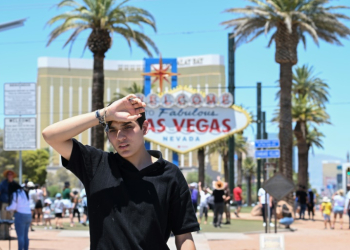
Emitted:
<point x="135" y="197"/>
<point x="347" y="204"/>
<point x="302" y="199"/>
<point x="203" y="205"/>
<point x="58" y="207"/>
<point x="227" y="205"/>
<point x="19" y="202"/>
<point x="39" y="204"/>
<point x="47" y="213"/>
<point x="76" y="205"/>
<point x="237" y="195"/>
<point x="338" y="207"/>
<point x="32" y="201"/>
<point x="326" y="210"/>
<point x="194" y="195"/>
<point x="85" y="207"/>
<point x="265" y="202"/>
<point x="67" y="196"/>
<point x="219" y="198"/>
<point x="311" y="200"/>
<point x="4" y="198"/>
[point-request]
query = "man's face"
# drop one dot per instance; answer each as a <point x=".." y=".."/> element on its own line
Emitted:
<point x="127" y="138"/>
<point x="10" y="177"/>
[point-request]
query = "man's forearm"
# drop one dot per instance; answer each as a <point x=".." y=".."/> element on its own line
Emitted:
<point x="184" y="242"/>
<point x="69" y="128"/>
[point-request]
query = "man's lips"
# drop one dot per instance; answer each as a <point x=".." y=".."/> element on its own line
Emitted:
<point x="124" y="145"/>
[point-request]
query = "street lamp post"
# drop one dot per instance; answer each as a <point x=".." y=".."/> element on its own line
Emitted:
<point x="12" y="24"/>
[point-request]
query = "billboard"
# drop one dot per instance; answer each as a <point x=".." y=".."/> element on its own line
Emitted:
<point x="184" y="120"/>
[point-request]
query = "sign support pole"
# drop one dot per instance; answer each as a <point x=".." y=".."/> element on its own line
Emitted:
<point x="20" y="167"/>
<point x="231" y="89"/>
<point x="258" y="137"/>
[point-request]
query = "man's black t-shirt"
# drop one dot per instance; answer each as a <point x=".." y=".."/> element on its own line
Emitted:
<point x="218" y="195"/>
<point x="128" y="208"/>
<point x="301" y="196"/>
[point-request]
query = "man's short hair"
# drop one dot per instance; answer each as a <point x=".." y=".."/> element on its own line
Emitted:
<point x="139" y="120"/>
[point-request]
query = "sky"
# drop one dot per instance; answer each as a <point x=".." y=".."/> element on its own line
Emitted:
<point x="187" y="28"/>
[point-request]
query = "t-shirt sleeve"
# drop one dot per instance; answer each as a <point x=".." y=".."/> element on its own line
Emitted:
<point x="182" y="216"/>
<point x="84" y="161"/>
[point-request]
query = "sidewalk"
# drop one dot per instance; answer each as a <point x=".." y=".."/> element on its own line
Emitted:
<point x="309" y="235"/>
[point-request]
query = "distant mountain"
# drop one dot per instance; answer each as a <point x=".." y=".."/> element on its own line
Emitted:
<point x="315" y="168"/>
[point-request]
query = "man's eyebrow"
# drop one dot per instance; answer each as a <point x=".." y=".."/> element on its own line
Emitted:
<point x="125" y="124"/>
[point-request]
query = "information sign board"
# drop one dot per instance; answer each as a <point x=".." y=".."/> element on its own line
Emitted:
<point x="20" y="134"/>
<point x="267" y="143"/>
<point x="263" y="154"/>
<point x="278" y="186"/>
<point x="272" y="242"/>
<point x="20" y="98"/>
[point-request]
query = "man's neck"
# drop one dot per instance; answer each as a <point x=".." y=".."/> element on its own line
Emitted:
<point x="142" y="160"/>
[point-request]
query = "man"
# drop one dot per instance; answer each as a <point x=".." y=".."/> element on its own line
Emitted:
<point x="311" y="203"/>
<point x="194" y="195"/>
<point x="237" y="195"/>
<point x="85" y="207"/>
<point x="135" y="197"/>
<point x="347" y="204"/>
<point x="265" y="201"/>
<point x="227" y="205"/>
<point x="67" y="196"/>
<point x="302" y="199"/>
<point x="4" y="198"/>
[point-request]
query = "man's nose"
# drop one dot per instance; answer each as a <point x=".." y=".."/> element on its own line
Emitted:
<point x="121" y="136"/>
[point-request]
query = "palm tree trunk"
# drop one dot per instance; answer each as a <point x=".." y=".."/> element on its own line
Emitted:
<point x="226" y="172"/>
<point x="201" y="172"/>
<point x="300" y="133"/>
<point x="285" y="123"/>
<point x="97" y="132"/>
<point x="249" y="186"/>
<point x="239" y="168"/>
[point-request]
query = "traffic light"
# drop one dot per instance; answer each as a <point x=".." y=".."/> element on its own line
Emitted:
<point x="348" y="172"/>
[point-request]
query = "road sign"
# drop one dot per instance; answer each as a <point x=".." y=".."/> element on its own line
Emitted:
<point x="278" y="186"/>
<point x="267" y="143"/>
<point x="263" y="154"/>
<point x="20" y="134"/>
<point x="20" y="98"/>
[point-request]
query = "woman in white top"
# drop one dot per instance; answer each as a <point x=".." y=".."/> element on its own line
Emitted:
<point x="19" y="202"/>
<point x="338" y="207"/>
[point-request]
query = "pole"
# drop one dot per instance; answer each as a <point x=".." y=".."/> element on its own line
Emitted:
<point x="258" y="124"/>
<point x="231" y="88"/>
<point x="20" y="167"/>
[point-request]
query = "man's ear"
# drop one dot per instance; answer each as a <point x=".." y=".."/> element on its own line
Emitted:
<point x="145" y="127"/>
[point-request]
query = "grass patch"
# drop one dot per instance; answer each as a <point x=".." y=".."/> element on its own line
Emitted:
<point x="236" y="226"/>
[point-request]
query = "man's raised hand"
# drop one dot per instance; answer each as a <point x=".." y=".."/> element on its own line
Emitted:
<point x="126" y="109"/>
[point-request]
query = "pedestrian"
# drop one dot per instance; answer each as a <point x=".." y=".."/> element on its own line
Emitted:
<point x="4" y="198"/>
<point x="85" y="206"/>
<point x="287" y="218"/>
<point x="296" y="204"/>
<point x="265" y="201"/>
<point x="19" y="202"/>
<point x="58" y="207"/>
<point x="203" y="205"/>
<point x="338" y="207"/>
<point x="32" y="201"/>
<point x="76" y="205"/>
<point x="311" y="200"/>
<point x="302" y="199"/>
<point x="227" y="205"/>
<point x="326" y="209"/>
<point x="194" y="195"/>
<point x="219" y="199"/>
<point x="237" y="195"/>
<point x="347" y="203"/>
<point x="67" y="196"/>
<point x="47" y="213"/>
<point x="135" y="197"/>
<point x="39" y="204"/>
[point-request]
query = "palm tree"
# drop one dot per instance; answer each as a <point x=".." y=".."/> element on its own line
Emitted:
<point x="249" y="170"/>
<point x="240" y="148"/>
<point x="103" y="18"/>
<point x="201" y="166"/>
<point x="305" y="112"/>
<point x="290" y="21"/>
<point x="222" y="148"/>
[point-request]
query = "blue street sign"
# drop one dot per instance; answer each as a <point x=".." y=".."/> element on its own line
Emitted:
<point x="267" y="143"/>
<point x="263" y="154"/>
